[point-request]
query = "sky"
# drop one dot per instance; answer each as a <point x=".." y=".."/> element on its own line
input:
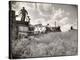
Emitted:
<point x="47" y="13"/>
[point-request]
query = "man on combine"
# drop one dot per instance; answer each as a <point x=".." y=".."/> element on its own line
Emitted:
<point x="23" y="12"/>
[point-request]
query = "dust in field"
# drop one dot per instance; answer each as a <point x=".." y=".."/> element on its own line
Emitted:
<point x="50" y="44"/>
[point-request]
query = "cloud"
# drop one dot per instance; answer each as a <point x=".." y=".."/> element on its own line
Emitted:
<point x="64" y="21"/>
<point x="38" y="21"/>
<point x="46" y="8"/>
<point x="64" y="15"/>
<point x="65" y="27"/>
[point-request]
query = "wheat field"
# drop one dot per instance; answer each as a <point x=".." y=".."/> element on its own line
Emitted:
<point x="49" y="44"/>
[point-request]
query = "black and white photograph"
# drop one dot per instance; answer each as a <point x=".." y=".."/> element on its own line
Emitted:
<point x="40" y="29"/>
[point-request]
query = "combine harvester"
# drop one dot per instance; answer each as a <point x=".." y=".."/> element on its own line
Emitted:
<point x="23" y="29"/>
